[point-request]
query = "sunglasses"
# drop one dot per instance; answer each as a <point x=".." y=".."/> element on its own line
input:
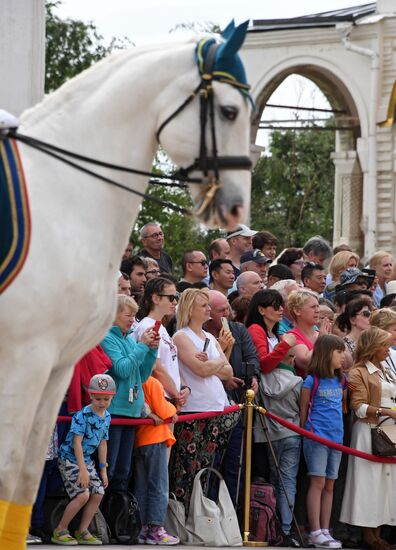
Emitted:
<point x="202" y="262"/>
<point x="171" y="297"/>
<point x="365" y="313"/>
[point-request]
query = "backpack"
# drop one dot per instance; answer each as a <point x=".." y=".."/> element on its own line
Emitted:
<point x="121" y="511"/>
<point x="263" y="520"/>
<point x="54" y="506"/>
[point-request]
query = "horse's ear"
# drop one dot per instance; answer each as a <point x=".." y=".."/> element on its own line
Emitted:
<point x="235" y="39"/>
<point x="228" y="30"/>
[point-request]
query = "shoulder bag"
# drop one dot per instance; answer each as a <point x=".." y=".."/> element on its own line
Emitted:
<point x="383" y="439"/>
<point x="215" y="523"/>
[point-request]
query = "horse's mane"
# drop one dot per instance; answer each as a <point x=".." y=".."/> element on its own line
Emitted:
<point x="108" y="64"/>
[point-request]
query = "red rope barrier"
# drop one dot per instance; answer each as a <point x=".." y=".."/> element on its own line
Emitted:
<point x="331" y="444"/>
<point x="150" y="421"/>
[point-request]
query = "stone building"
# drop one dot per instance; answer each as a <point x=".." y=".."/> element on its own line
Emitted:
<point x="350" y="54"/>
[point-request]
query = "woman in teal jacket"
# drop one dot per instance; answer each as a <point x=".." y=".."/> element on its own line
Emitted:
<point x="132" y="364"/>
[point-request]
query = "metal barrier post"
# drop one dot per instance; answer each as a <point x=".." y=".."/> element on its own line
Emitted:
<point x="249" y="407"/>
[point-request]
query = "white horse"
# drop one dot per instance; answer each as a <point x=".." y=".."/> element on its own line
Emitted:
<point x="63" y="301"/>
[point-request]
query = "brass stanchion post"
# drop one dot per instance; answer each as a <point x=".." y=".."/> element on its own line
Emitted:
<point x="249" y="407"/>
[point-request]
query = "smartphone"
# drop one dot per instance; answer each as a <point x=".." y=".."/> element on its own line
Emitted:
<point x="369" y="272"/>
<point x="206" y="344"/>
<point x="225" y="324"/>
<point x="157" y="325"/>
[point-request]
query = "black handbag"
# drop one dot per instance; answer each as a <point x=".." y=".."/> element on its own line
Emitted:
<point x="383" y="439"/>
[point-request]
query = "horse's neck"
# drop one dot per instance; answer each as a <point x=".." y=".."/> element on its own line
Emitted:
<point x="112" y="110"/>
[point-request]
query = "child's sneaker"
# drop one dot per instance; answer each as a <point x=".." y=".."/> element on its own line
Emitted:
<point x="142" y="538"/>
<point x="156" y="534"/>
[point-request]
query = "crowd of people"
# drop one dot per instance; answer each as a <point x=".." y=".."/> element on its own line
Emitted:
<point x="311" y="330"/>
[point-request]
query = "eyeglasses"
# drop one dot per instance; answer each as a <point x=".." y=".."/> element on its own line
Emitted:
<point x="154" y="271"/>
<point x="365" y="313"/>
<point x="171" y="297"/>
<point x="154" y="235"/>
<point x="202" y="262"/>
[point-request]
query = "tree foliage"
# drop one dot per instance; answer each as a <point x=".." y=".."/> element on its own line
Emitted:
<point x="293" y="187"/>
<point x="181" y="232"/>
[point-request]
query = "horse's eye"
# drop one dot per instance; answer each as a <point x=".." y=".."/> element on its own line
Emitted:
<point x="229" y="112"/>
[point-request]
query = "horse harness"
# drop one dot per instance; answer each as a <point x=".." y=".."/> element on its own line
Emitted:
<point x="204" y="163"/>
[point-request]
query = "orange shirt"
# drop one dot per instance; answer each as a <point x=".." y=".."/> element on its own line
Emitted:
<point x="154" y="396"/>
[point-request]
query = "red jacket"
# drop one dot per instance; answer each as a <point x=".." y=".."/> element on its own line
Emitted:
<point x="268" y="360"/>
<point x="94" y="362"/>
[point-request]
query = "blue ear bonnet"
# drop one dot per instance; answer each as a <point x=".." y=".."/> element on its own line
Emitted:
<point x="227" y="65"/>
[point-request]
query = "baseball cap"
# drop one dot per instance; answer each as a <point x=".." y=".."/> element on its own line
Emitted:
<point x="241" y="231"/>
<point x="102" y="384"/>
<point x="351" y="274"/>
<point x="255" y="256"/>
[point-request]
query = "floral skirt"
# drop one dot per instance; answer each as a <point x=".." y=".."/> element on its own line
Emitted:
<point x="197" y="444"/>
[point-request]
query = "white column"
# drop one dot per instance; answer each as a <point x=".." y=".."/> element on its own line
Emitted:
<point x="348" y="200"/>
<point x="22" y="54"/>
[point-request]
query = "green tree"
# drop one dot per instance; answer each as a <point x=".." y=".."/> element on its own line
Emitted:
<point x="71" y="47"/>
<point x="293" y="187"/>
<point x="181" y="232"/>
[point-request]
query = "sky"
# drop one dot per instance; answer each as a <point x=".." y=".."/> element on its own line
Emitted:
<point x="148" y="21"/>
<point x="144" y="21"/>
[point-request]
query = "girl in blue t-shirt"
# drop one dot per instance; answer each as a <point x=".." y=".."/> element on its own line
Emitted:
<point x="321" y="412"/>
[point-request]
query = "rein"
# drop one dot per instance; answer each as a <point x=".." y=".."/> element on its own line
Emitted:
<point x="203" y="163"/>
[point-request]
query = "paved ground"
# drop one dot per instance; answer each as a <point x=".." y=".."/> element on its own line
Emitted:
<point x="120" y="547"/>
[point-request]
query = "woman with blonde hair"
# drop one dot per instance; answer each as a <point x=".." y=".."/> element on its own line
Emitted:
<point x="339" y="263"/>
<point x="131" y="365"/>
<point x="304" y="308"/>
<point x="382" y="262"/>
<point x="203" y="366"/>
<point x="369" y="496"/>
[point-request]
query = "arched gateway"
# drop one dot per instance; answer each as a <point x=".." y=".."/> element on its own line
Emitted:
<point x="350" y="55"/>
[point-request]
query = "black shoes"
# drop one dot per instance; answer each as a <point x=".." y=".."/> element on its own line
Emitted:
<point x="291" y="541"/>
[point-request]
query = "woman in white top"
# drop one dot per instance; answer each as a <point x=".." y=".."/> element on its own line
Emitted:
<point x="159" y="300"/>
<point x="203" y="366"/>
<point x="369" y="497"/>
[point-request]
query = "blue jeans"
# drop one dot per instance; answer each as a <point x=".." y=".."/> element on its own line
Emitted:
<point x="119" y="457"/>
<point x="287" y="452"/>
<point x="151" y="482"/>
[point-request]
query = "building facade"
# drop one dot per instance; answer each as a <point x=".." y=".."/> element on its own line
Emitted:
<point x="350" y="55"/>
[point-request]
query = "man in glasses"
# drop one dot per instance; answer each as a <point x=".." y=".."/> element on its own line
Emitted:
<point x="195" y="269"/>
<point x="152" y="239"/>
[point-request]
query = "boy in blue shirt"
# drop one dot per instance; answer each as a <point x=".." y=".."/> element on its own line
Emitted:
<point x="89" y="431"/>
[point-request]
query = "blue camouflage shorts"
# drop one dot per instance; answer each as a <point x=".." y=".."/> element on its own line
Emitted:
<point x="70" y="473"/>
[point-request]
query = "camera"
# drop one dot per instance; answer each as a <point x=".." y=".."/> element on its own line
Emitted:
<point x="248" y="373"/>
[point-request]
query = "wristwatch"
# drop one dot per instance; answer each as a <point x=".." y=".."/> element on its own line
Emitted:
<point x="103" y="465"/>
<point x="378" y="412"/>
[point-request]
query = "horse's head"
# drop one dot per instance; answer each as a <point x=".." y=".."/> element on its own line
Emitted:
<point x="208" y="132"/>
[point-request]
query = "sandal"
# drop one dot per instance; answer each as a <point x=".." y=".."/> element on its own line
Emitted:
<point x="322" y="541"/>
<point x="63" y="538"/>
<point x="85" y="537"/>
